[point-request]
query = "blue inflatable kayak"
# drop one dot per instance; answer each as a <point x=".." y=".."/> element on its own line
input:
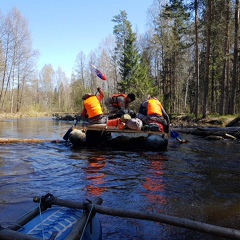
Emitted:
<point x="49" y="221"/>
<point x="58" y="222"/>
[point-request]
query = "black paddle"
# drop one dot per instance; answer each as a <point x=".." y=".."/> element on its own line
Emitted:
<point x="66" y="136"/>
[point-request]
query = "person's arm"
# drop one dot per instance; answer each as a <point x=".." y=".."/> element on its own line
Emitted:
<point x="84" y="113"/>
<point x="101" y="94"/>
<point x="121" y="103"/>
<point x="143" y="108"/>
<point x="165" y="115"/>
<point x="145" y="104"/>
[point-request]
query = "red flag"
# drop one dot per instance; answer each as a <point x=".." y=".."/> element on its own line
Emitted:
<point x="99" y="74"/>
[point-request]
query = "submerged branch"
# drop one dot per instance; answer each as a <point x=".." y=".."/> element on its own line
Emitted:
<point x="17" y="140"/>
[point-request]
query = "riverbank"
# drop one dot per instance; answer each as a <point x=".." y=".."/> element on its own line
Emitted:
<point x="188" y="121"/>
<point x="4" y="116"/>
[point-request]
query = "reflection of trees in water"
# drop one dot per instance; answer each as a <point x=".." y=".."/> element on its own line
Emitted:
<point x="154" y="183"/>
<point x="95" y="176"/>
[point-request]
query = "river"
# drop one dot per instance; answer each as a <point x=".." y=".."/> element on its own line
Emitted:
<point x="197" y="180"/>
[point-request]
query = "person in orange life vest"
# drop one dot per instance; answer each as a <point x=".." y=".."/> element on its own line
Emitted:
<point x="119" y="102"/>
<point x="92" y="108"/>
<point x="143" y="106"/>
<point x="151" y="110"/>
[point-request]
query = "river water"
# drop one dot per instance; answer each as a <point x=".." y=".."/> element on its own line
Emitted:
<point x="198" y="180"/>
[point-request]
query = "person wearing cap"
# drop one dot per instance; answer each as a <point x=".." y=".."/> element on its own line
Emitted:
<point x="152" y="111"/>
<point x="119" y="102"/>
<point x="92" y="108"/>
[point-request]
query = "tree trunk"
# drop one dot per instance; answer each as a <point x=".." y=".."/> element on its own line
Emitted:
<point x="224" y="70"/>
<point x="197" y="58"/>
<point x="206" y="81"/>
<point x="235" y="61"/>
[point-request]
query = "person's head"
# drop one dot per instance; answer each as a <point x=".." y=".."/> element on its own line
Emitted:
<point x="86" y="96"/>
<point x="131" y="96"/>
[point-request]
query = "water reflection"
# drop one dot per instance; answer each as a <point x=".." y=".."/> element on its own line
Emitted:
<point x="28" y="128"/>
<point x="154" y="183"/>
<point x="95" y="175"/>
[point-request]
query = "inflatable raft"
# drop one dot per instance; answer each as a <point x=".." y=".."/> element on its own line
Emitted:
<point x="100" y="135"/>
<point x="48" y="221"/>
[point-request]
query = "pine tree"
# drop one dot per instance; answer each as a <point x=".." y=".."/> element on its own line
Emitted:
<point x="132" y="68"/>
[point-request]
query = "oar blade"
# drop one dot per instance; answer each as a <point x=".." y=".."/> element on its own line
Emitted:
<point x="66" y="136"/>
<point x="175" y="135"/>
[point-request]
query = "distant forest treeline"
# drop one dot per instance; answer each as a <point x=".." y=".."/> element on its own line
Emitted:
<point x="188" y="58"/>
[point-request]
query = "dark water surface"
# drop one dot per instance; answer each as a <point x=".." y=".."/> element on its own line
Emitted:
<point x="198" y="180"/>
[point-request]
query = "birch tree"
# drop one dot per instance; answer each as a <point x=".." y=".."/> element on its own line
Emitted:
<point x="18" y="59"/>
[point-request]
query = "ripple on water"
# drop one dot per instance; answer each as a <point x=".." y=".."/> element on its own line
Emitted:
<point x="197" y="180"/>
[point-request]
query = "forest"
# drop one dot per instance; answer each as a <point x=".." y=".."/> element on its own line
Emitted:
<point x="188" y="58"/>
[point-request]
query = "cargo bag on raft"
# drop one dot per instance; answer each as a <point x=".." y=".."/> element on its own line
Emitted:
<point x="116" y="123"/>
<point x="155" y="127"/>
<point x="134" y="124"/>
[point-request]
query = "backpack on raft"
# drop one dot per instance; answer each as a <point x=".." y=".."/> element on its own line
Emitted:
<point x="154" y="127"/>
<point x="134" y="124"/>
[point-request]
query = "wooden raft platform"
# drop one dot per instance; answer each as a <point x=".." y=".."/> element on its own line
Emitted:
<point x="103" y="127"/>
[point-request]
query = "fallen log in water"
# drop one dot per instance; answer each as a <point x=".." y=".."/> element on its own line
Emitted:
<point x="232" y="133"/>
<point x="17" y="140"/>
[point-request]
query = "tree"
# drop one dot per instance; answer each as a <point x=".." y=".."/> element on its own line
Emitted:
<point x="128" y="61"/>
<point x="196" y="59"/>
<point x="17" y="59"/>
<point x="207" y="59"/>
<point x="235" y="62"/>
<point x="120" y="31"/>
<point x="225" y="68"/>
<point x="60" y="103"/>
<point x="79" y="67"/>
<point x="46" y="80"/>
<point x="132" y="68"/>
<point x="171" y="33"/>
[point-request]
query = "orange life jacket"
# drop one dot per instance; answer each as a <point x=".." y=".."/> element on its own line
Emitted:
<point x="115" y="100"/>
<point x="93" y="107"/>
<point x="154" y="107"/>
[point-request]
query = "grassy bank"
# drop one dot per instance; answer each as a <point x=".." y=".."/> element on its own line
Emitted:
<point x="24" y="115"/>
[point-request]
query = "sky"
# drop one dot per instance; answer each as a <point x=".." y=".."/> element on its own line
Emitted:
<point x="61" y="29"/>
